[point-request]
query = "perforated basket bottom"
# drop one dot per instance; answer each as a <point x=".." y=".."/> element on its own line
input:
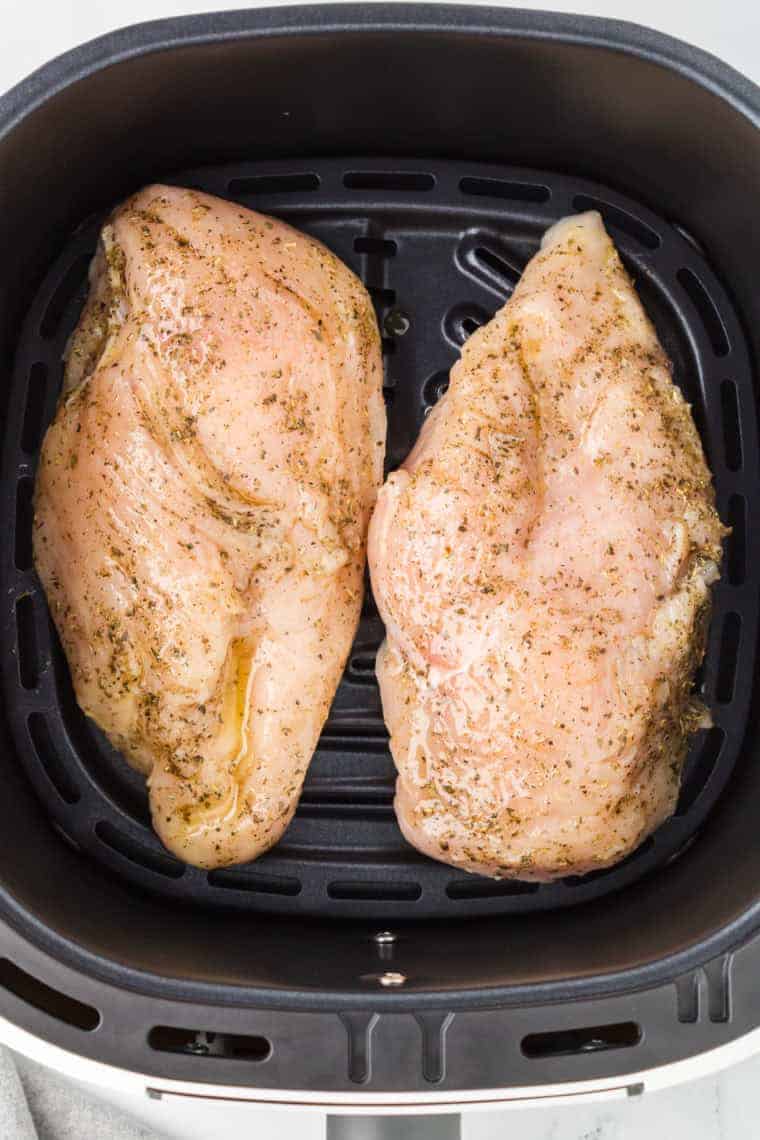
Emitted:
<point x="440" y="246"/>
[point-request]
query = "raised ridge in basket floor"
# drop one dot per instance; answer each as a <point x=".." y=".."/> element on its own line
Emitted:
<point x="440" y="246"/>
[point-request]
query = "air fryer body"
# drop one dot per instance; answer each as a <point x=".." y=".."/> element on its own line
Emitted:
<point x="346" y="969"/>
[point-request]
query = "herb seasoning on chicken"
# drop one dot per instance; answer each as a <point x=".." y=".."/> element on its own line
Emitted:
<point x="202" y="503"/>
<point x="542" y="562"/>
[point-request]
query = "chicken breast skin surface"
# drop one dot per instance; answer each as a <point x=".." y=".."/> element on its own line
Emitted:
<point x="202" y="504"/>
<point x="543" y="563"/>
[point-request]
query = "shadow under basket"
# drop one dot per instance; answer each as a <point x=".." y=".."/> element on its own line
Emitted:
<point x="343" y="960"/>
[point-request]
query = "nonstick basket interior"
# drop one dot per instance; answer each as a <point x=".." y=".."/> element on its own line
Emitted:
<point x="440" y="245"/>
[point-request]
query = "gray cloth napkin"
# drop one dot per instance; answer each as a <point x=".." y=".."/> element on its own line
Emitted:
<point x="37" y="1104"/>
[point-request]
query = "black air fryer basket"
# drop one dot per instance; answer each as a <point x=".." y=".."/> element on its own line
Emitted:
<point x="430" y="147"/>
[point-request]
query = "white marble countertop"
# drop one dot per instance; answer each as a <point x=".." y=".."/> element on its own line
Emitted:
<point x="723" y="1107"/>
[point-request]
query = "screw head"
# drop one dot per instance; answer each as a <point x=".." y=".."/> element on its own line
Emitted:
<point x="396" y="323"/>
<point x="384" y="937"/>
<point x="391" y="978"/>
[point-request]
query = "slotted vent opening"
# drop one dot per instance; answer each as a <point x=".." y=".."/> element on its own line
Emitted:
<point x="477" y="888"/>
<point x="374" y="742"/>
<point x="73" y="283"/>
<point x="461" y="321"/>
<point x="24" y="519"/>
<point x="50" y="759"/>
<point x="43" y="997"/>
<point x="729" y="654"/>
<point x="605" y="872"/>
<point x="388" y="180"/>
<point x="732" y="436"/>
<point x="587" y="1039"/>
<point x="374" y="792"/>
<point x="736" y="543"/>
<point x="381" y="890"/>
<point x="31" y="432"/>
<point x="705" y="306"/>
<point x="509" y="191"/>
<point x="688" y="236"/>
<point x="361" y="667"/>
<point x="135" y="852"/>
<point x="210" y="1043"/>
<point x="700" y="771"/>
<point x="497" y="265"/>
<point x="273" y="184"/>
<point x="26" y="642"/>
<point x="619" y="219"/>
<point x="255" y="883"/>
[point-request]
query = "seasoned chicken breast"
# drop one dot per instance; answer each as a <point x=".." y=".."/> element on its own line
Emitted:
<point x="202" y="504"/>
<point x="542" y="562"/>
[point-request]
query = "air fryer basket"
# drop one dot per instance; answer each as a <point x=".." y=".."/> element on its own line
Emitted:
<point x="429" y="147"/>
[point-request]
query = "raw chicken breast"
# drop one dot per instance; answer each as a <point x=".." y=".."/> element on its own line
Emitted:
<point x="202" y="503"/>
<point x="542" y="562"/>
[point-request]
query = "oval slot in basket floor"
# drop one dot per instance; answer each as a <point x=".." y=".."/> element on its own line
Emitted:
<point x="53" y="1002"/>
<point x="157" y="861"/>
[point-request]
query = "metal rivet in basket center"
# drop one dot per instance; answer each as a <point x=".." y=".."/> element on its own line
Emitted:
<point x="385" y="941"/>
<point x="396" y="323"/>
<point x="201" y="1045"/>
<point x="391" y="978"/>
<point x="384" y="937"/>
